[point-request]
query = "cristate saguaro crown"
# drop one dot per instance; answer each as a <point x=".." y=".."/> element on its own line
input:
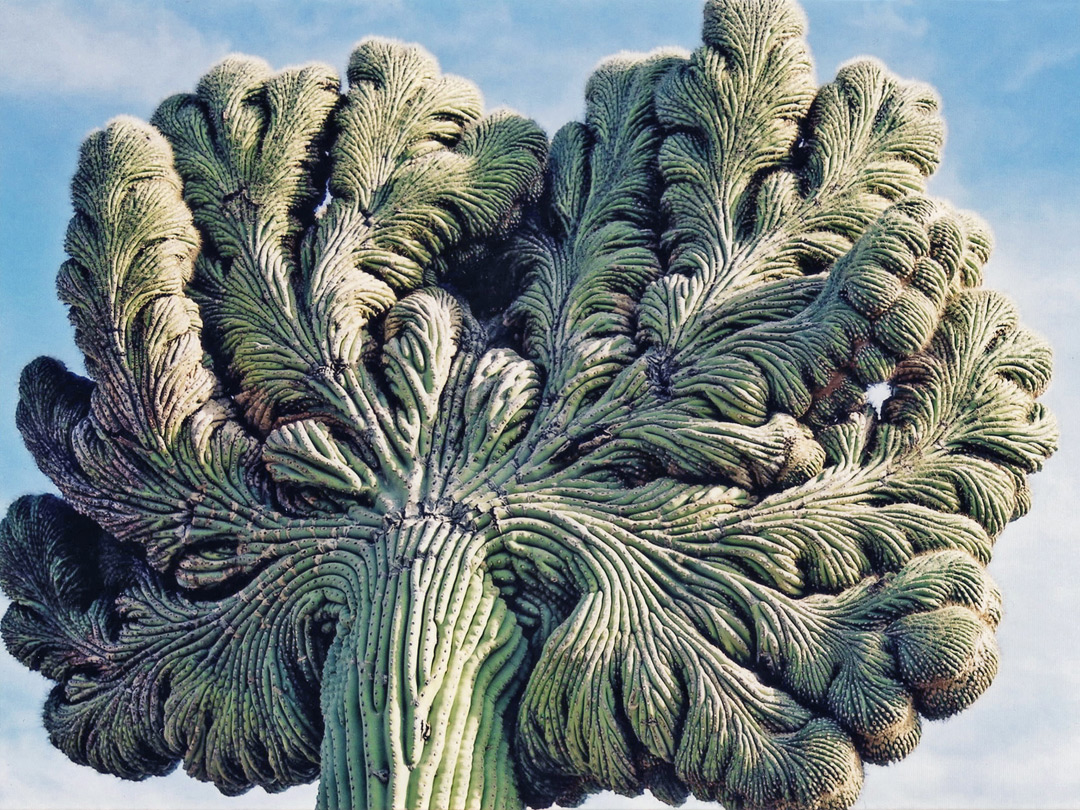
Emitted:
<point x="463" y="470"/>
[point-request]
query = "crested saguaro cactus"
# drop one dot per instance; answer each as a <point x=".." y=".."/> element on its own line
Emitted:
<point x="462" y="471"/>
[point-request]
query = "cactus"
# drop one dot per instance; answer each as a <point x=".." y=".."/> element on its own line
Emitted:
<point x="463" y="470"/>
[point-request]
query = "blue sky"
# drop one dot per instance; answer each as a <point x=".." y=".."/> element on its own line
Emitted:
<point x="1008" y="72"/>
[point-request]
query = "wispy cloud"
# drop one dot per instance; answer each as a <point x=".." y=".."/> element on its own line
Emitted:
<point x="1039" y="60"/>
<point x="887" y="19"/>
<point x="136" y="51"/>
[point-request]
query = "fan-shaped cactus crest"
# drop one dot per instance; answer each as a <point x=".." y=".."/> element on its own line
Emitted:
<point x="461" y="469"/>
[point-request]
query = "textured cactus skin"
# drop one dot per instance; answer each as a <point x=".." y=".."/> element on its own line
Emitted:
<point x="461" y="469"/>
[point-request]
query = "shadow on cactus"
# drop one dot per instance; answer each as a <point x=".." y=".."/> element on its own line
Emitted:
<point x="458" y="469"/>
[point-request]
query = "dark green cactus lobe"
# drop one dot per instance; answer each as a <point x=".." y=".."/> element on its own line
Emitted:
<point x="462" y="470"/>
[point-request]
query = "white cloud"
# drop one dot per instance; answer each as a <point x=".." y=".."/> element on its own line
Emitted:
<point x="48" y="781"/>
<point x="139" y="52"/>
<point x="887" y="21"/>
<point x="1039" y="60"/>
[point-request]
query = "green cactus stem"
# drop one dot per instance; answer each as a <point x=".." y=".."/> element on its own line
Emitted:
<point x="424" y="664"/>
<point x="460" y="469"/>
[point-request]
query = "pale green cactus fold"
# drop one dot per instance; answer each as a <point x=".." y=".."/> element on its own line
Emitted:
<point x="460" y="471"/>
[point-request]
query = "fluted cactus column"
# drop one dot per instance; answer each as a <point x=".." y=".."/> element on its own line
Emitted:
<point x="426" y="660"/>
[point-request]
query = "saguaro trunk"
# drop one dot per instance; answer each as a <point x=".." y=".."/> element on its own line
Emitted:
<point x="417" y="683"/>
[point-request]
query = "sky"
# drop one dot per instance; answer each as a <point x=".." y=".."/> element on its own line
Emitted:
<point x="1008" y="72"/>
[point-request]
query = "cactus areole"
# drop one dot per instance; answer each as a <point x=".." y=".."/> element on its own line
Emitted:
<point x="460" y="469"/>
